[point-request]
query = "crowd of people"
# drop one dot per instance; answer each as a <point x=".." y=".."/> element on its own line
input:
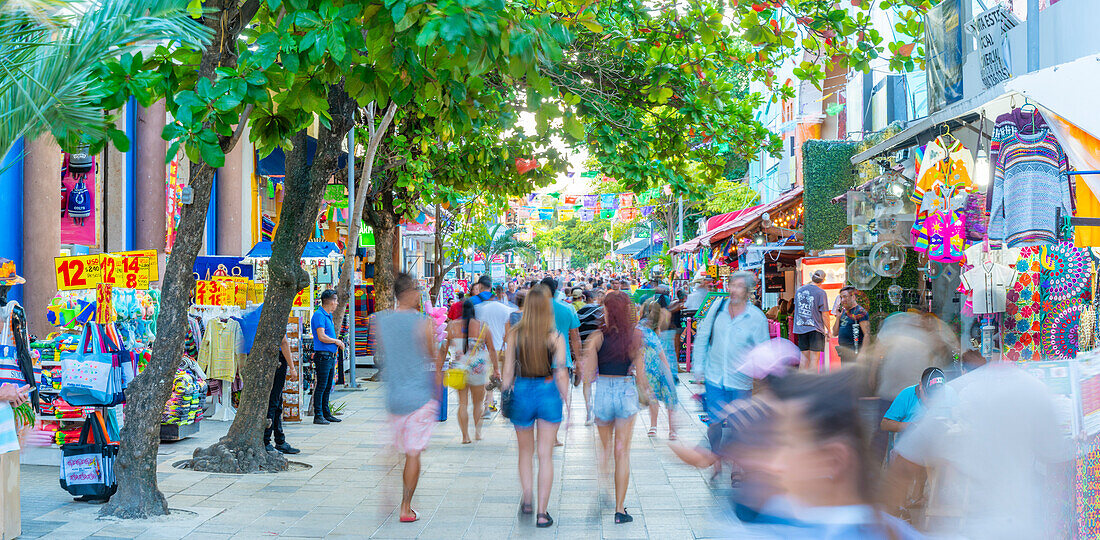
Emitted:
<point x="799" y="450"/>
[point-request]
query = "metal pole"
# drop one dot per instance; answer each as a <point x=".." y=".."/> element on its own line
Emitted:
<point x="680" y="224"/>
<point x="1032" y="35"/>
<point x="352" y="383"/>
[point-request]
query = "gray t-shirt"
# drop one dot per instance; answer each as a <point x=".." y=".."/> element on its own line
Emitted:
<point x="810" y="303"/>
<point x="407" y="368"/>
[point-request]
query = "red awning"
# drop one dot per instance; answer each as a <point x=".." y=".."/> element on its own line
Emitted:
<point x="734" y="222"/>
<point x="733" y="226"/>
<point x="719" y="220"/>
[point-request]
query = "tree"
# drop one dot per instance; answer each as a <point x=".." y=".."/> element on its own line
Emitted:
<point x="499" y="240"/>
<point x="51" y="51"/>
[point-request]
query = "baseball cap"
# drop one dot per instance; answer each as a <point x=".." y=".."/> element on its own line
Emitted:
<point x="932" y="380"/>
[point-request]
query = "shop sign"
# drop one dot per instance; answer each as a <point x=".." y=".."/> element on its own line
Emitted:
<point x="132" y="270"/>
<point x="104" y="304"/>
<point x="990" y="28"/>
<point x="303" y="300"/>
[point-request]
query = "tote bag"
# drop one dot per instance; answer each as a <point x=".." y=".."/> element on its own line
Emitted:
<point x="10" y="372"/>
<point x="86" y="372"/>
<point x="87" y="466"/>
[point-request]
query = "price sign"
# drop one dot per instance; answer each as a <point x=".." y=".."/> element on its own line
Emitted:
<point x="256" y="293"/>
<point x="104" y="304"/>
<point x="147" y="263"/>
<point x="302" y="299"/>
<point x="74" y="273"/>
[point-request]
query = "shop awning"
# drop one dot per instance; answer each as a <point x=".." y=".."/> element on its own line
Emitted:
<point x="650" y="251"/>
<point x="274" y="165"/>
<point x="717" y="221"/>
<point x="746" y="218"/>
<point x="1065" y="90"/>
<point x="633" y="248"/>
<point x="313" y="250"/>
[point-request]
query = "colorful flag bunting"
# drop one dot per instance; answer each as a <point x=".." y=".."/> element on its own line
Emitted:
<point x="609" y="201"/>
<point x="647" y="210"/>
<point x="607" y="213"/>
<point x="626" y="200"/>
<point x="591" y="200"/>
<point x="570" y="199"/>
<point x="546" y="214"/>
<point x="565" y="214"/>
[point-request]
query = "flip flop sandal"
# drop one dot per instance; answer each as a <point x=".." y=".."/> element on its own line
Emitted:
<point x="652" y="432"/>
<point x="544" y="524"/>
<point x="406" y="519"/>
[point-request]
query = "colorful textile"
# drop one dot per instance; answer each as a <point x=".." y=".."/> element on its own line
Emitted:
<point x="565" y="214"/>
<point x="609" y="201"/>
<point x="1028" y="189"/>
<point x="570" y="199"/>
<point x="607" y="213"/>
<point x="943" y="164"/>
<point x="590" y="200"/>
<point x="943" y="237"/>
<point x="586" y="214"/>
<point x="1065" y="272"/>
<point x="1021" y="331"/>
<point x="1059" y="329"/>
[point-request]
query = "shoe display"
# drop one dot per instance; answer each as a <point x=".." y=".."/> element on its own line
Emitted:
<point x="320" y="420"/>
<point x="285" y="448"/>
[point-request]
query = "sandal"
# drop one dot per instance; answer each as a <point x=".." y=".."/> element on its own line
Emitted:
<point x="526" y="508"/>
<point x="406" y="519"/>
<point x="623" y="517"/>
<point x="652" y="432"/>
<point x="544" y="524"/>
<point x="672" y="436"/>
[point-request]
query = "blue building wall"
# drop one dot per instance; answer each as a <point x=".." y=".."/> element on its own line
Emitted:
<point x="11" y="211"/>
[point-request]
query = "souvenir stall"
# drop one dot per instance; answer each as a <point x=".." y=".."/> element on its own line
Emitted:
<point x="1004" y="196"/>
<point x="98" y="322"/>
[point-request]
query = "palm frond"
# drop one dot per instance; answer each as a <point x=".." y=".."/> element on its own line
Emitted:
<point x="50" y="49"/>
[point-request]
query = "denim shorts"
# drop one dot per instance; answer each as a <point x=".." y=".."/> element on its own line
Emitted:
<point x="535" y="398"/>
<point x="715" y="399"/>
<point x="614" y="398"/>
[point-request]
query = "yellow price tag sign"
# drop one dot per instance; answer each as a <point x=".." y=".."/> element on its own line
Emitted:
<point x="105" y="306"/>
<point x="147" y="263"/>
<point x="75" y="273"/>
<point x="301" y="300"/>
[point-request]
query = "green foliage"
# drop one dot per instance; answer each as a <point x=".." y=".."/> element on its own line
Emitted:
<point x="584" y="238"/>
<point x="500" y="240"/>
<point x="827" y="173"/>
<point x="52" y="52"/>
<point x="728" y="196"/>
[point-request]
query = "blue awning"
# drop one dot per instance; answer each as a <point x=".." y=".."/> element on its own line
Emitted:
<point x="631" y="249"/>
<point x="262" y="250"/>
<point x="650" y="251"/>
<point x="275" y="163"/>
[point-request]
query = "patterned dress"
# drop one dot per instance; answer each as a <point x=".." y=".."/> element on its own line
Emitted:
<point x="660" y="379"/>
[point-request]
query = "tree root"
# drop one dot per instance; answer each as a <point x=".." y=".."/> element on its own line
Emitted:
<point x="226" y="457"/>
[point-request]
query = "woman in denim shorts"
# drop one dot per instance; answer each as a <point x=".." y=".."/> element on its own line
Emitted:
<point x="534" y="367"/>
<point x="616" y="351"/>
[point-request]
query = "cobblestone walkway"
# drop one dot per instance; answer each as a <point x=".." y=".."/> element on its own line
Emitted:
<point x="353" y="487"/>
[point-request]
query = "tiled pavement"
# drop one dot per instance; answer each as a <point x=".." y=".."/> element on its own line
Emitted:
<point x="354" y="485"/>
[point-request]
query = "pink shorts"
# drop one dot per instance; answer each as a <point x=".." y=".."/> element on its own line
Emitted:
<point x="412" y="431"/>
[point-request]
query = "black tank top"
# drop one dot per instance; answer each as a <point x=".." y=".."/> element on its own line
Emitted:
<point x="613" y="358"/>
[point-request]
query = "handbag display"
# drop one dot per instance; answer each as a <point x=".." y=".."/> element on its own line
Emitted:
<point x="87" y="465"/>
<point x="97" y="372"/>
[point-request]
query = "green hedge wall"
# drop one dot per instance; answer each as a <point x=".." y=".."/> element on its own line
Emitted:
<point x="826" y="173"/>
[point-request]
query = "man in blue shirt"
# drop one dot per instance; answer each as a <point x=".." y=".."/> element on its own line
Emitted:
<point x="909" y="406"/>
<point x="325" y="347"/>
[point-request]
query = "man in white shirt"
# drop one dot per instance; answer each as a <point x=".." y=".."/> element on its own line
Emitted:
<point x="494" y="313"/>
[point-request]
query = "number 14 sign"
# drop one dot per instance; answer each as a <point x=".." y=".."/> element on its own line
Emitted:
<point x="130" y="270"/>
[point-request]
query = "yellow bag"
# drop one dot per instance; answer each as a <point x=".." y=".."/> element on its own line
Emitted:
<point x="455" y="378"/>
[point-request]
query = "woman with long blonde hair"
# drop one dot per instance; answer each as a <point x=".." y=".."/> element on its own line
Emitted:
<point x="535" y="372"/>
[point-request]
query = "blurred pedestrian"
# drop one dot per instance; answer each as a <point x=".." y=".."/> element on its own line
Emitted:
<point x="535" y="371"/>
<point x="275" y="401"/>
<point x="590" y="316"/>
<point x="411" y="372"/>
<point x="469" y="346"/>
<point x="657" y="370"/>
<point x="616" y="351"/>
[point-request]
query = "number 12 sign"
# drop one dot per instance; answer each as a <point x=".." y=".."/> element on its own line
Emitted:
<point x="82" y="272"/>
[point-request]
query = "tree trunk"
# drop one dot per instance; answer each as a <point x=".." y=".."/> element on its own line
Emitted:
<point x="136" y="467"/>
<point x="437" y="247"/>
<point x="384" y="236"/>
<point x="343" y="285"/>
<point x="242" y="450"/>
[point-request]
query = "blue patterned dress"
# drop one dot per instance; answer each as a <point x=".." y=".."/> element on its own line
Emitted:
<point x="660" y="378"/>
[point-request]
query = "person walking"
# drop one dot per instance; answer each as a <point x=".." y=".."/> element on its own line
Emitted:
<point x="657" y="370"/>
<point x="851" y="327"/>
<point x="535" y="372"/>
<point x="494" y="313"/>
<point x="411" y="372"/>
<point x="616" y="351"/>
<point x="811" y="320"/>
<point x="590" y="316"/>
<point x="731" y="329"/>
<point x="567" y="322"/>
<point x="275" y="401"/>
<point x="325" y="347"/>
<point x="469" y="345"/>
